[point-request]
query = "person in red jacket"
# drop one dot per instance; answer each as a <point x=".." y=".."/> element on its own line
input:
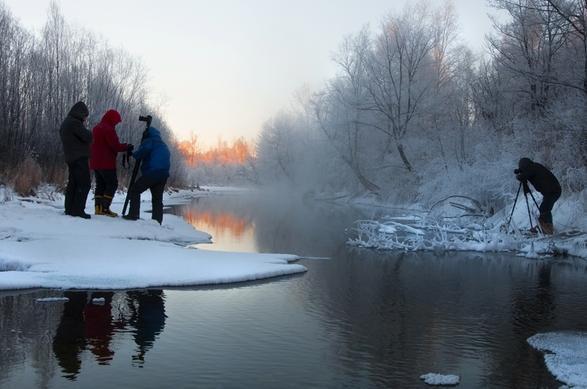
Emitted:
<point x="105" y="148"/>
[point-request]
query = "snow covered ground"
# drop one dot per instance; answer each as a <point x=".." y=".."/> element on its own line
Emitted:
<point x="435" y="379"/>
<point x="565" y="356"/>
<point x="40" y="247"/>
<point x="448" y="228"/>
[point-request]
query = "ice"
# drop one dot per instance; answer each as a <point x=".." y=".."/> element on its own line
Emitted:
<point x="565" y="356"/>
<point x="43" y="248"/>
<point x="52" y="299"/>
<point x="435" y="379"/>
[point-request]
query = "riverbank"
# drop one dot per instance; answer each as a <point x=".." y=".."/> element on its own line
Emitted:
<point x="41" y="247"/>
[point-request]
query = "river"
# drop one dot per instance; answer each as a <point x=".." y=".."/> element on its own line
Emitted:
<point x="356" y="319"/>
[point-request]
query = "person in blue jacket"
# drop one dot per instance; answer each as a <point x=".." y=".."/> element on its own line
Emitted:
<point x="155" y="163"/>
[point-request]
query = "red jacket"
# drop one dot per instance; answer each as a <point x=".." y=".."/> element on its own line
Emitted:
<point x="106" y="146"/>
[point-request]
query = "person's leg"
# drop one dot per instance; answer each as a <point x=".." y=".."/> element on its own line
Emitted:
<point x="99" y="191"/>
<point x="134" y="194"/>
<point x="70" y="189"/>
<point x="83" y="183"/>
<point x="111" y="183"/>
<point x="157" y="200"/>
<point x="546" y="206"/>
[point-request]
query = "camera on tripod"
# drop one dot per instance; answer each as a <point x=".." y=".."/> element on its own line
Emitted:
<point x="148" y="119"/>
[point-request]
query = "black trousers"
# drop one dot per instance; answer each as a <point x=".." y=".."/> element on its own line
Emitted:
<point x="156" y="184"/>
<point x="548" y="200"/>
<point x="78" y="186"/>
<point x="106" y="182"/>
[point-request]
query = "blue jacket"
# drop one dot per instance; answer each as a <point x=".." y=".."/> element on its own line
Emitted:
<point x="154" y="154"/>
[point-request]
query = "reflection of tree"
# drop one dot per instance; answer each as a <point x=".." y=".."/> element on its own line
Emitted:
<point x="147" y="316"/>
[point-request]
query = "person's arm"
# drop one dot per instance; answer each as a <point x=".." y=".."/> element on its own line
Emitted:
<point x="83" y="134"/>
<point x="114" y="143"/>
<point x="144" y="150"/>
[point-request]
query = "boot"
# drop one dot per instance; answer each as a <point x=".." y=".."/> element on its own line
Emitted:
<point x="547" y="228"/>
<point x="98" y="205"/>
<point x="106" y="201"/>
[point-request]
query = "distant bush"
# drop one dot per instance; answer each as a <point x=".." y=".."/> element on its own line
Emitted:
<point x="27" y="177"/>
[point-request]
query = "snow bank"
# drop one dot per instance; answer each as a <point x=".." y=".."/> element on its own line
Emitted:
<point x="467" y="232"/>
<point x="565" y="356"/>
<point x="440" y="379"/>
<point x="40" y="247"/>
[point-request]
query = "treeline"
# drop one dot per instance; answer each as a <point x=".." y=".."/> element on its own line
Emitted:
<point x="414" y="115"/>
<point x="227" y="163"/>
<point x="42" y="76"/>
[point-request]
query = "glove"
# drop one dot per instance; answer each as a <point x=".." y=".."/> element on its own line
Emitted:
<point x="130" y="148"/>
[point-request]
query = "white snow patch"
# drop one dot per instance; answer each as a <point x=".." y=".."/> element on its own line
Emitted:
<point x="52" y="299"/>
<point x="435" y="379"/>
<point x="565" y="356"/>
<point x="43" y="248"/>
<point x="98" y="301"/>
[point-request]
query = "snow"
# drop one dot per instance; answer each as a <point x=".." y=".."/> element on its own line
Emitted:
<point x="565" y="356"/>
<point x="440" y="379"/>
<point x="481" y="233"/>
<point x="52" y="300"/>
<point x="99" y="301"/>
<point x="40" y="247"/>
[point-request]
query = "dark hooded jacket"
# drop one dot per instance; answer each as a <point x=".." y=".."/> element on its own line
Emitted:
<point x="106" y="145"/>
<point x="154" y="155"/>
<point x="540" y="177"/>
<point x="75" y="136"/>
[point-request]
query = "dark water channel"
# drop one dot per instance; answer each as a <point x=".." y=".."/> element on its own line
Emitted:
<point x="359" y="319"/>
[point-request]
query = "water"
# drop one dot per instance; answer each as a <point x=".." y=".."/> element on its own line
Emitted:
<point x="358" y="319"/>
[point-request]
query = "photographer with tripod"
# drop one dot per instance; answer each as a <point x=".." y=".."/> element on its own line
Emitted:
<point x="154" y="159"/>
<point x="544" y="182"/>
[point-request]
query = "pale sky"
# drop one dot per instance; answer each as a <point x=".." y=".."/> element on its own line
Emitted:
<point x="223" y="67"/>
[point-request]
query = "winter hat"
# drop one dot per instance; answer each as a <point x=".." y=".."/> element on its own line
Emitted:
<point x="112" y="117"/>
<point x="79" y="110"/>
<point x="524" y="163"/>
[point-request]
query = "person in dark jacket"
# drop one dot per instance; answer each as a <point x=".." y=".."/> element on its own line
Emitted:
<point x="76" y="141"/>
<point x="155" y="163"/>
<point x="544" y="182"/>
<point x="105" y="148"/>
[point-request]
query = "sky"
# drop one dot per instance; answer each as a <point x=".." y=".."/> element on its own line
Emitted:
<point x="222" y="68"/>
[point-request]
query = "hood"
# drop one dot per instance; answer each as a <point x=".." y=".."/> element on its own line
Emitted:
<point x="153" y="133"/>
<point x="112" y="117"/>
<point x="525" y="163"/>
<point x="79" y="110"/>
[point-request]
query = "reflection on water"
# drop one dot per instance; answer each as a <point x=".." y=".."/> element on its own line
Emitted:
<point x="88" y="325"/>
<point x="359" y="319"/>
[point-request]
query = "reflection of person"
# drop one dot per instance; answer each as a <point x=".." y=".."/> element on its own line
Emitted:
<point x="155" y="164"/>
<point x="105" y="148"/>
<point x="148" y="317"/>
<point x="69" y="340"/>
<point x="99" y="327"/>
<point x="546" y="183"/>
<point x="83" y="326"/>
<point x="76" y="141"/>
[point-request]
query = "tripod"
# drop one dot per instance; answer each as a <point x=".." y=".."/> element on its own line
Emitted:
<point x="527" y="207"/>
<point x="135" y="172"/>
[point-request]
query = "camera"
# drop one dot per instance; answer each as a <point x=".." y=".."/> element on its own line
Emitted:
<point x="147" y="119"/>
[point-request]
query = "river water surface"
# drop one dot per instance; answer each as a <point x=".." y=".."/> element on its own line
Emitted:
<point x="356" y="319"/>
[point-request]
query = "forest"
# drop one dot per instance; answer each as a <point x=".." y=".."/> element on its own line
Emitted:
<point x="42" y="76"/>
<point x="413" y="115"/>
